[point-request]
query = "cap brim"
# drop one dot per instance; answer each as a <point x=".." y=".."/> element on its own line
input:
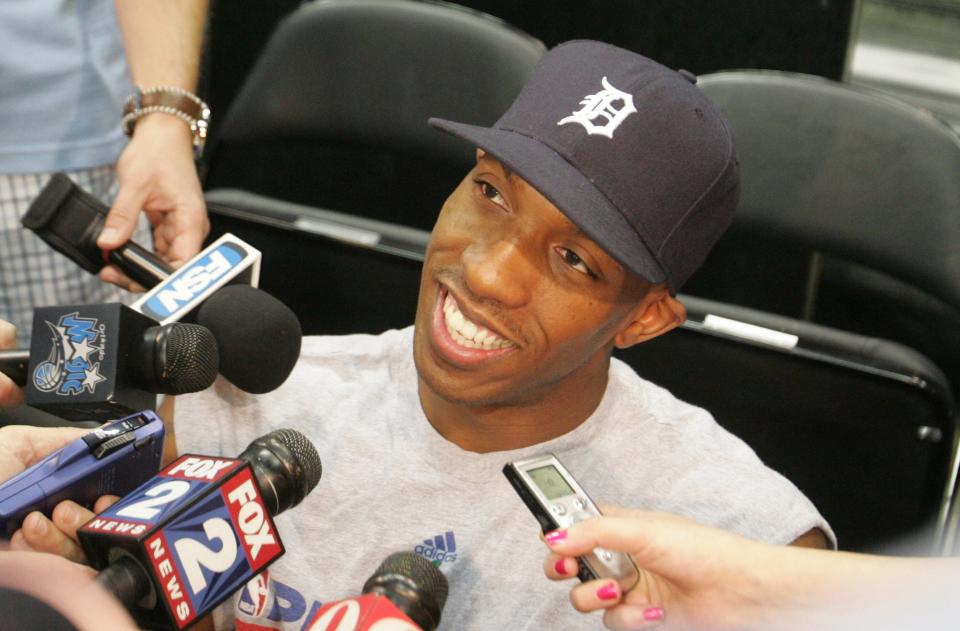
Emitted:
<point x="568" y="189"/>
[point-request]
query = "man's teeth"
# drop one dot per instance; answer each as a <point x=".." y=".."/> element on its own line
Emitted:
<point x="467" y="333"/>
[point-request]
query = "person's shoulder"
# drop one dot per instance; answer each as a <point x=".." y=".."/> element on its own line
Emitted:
<point x="649" y="398"/>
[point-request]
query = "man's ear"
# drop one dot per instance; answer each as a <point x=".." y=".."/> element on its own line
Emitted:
<point x="658" y="313"/>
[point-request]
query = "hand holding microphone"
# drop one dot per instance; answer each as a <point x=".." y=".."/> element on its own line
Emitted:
<point x="187" y="539"/>
<point x="259" y="336"/>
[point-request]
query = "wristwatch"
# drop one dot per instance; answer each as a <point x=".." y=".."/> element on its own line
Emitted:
<point x="172" y="100"/>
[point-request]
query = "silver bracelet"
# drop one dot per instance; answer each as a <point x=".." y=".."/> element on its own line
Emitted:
<point x="171" y="100"/>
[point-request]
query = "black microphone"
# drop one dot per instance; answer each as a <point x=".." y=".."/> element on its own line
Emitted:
<point x="259" y="336"/>
<point x="186" y="540"/>
<point x="100" y="362"/>
<point x="406" y="588"/>
<point x="69" y="219"/>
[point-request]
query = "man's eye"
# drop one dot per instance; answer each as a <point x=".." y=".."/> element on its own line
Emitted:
<point x="572" y="259"/>
<point x="492" y="194"/>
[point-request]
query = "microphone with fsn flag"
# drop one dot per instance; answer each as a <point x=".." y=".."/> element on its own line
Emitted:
<point x="259" y="336"/>
<point x="69" y="219"/>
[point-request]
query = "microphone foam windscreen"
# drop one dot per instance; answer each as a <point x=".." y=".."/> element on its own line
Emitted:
<point x="258" y="336"/>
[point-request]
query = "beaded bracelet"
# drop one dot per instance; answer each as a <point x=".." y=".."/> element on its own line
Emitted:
<point x="171" y="100"/>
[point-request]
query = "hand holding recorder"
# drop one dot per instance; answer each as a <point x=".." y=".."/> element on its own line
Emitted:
<point x="111" y="460"/>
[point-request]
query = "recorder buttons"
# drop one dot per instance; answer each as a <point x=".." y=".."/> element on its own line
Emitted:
<point x="107" y="447"/>
<point x="558" y="509"/>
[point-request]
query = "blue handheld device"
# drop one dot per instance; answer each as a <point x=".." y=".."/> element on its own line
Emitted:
<point x="113" y="459"/>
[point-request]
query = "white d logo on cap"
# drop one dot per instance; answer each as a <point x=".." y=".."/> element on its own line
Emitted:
<point x="603" y="105"/>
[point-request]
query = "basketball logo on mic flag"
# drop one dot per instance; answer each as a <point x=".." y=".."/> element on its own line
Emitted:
<point x="68" y="369"/>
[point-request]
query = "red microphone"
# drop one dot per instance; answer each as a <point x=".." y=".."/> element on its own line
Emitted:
<point x="406" y="593"/>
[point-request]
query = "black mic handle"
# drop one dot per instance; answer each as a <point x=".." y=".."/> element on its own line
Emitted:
<point x="126" y="579"/>
<point x="13" y="363"/>
<point x="140" y="264"/>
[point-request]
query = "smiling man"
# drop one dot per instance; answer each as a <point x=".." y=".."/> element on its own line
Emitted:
<point x="592" y="200"/>
<point x="517" y="315"/>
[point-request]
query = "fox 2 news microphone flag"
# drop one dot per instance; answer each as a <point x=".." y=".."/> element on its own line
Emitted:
<point x="200" y="529"/>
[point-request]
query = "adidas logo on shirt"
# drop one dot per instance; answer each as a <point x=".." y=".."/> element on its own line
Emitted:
<point x="440" y="549"/>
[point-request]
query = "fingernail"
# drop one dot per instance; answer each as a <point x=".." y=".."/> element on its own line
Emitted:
<point x="555" y="536"/>
<point x="108" y="234"/>
<point x="653" y="613"/>
<point x="561" y="566"/>
<point x="608" y="592"/>
<point x="67" y="515"/>
<point x="38" y="523"/>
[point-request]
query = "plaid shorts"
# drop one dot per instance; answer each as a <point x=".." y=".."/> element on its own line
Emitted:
<point x="32" y="274"/>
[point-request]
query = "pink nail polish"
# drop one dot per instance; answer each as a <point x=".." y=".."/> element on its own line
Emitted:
<point x="608" y="592"/>
<point x="561" y="567"/>
<point x="555" y="536"/>
<point x="653" y="613"/>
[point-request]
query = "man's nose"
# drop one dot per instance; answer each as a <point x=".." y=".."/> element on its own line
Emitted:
<point x="498" y="270"/>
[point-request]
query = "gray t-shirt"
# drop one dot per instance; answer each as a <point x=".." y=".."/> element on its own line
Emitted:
<point x="391" y="482"/>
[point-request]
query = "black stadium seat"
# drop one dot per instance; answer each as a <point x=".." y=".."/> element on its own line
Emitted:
<point x="334" y="113"/>
<point x="865" y="427"/>
<point x="849" y="213"/>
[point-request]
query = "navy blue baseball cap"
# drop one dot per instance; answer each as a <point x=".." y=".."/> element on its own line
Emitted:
<point x="629" y="150"/>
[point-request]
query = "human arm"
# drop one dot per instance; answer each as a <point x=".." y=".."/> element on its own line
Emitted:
<point x="156" y="172"/>
<point x="67" y="588"/>
<point x="697" y="577"/>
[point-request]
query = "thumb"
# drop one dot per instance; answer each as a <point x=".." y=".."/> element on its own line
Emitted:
<point x="122" y="218"/>
<point x="618" y="533"/>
